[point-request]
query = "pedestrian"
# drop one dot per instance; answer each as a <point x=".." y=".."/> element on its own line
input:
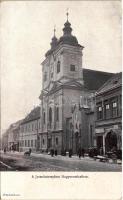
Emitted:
<point x="55" y="152"/>
<point x="79" y="153"/>
<point x="52" y="152"/>
<point x="5" y="150"/>
<point x="70" y="153"/>
<point x="83" y="152"/>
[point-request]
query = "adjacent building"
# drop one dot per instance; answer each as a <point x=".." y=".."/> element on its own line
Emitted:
<point x="108" y="126"/>
<point x="30" y="128"/>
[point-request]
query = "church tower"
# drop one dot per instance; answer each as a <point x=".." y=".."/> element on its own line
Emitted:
<point x="62" y="83"/>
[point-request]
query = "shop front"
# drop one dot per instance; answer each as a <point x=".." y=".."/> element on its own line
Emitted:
<point x="108" y="139"/>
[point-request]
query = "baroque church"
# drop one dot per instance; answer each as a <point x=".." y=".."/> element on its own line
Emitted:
<point x="64" y="83"/>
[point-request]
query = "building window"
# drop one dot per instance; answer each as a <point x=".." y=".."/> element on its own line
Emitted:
<point x="35" y="143"/>
<point x="28" y="143"/>
<point x="51" y="74"/>
<point x="43" y="142"/>
<point x="36" y="126"/>
<point x="44" y="117"/>
<point x="25" y="128"/>
<point x="32" y="127"/>
<point x="114" y="109"/>
<point x="22" y="129"/>
<point x="58" y="67"/>
<point x="72" y="68"/>
<point x="25" y="143"/>
<point x="39" y="125"/>
<point x="45" y="76"/>
<point x="31" y="143"/>
<point x="57" y="114"/>
<point x="29" y="127"/>
<point x="56" y="141"/>
<point x="107" y="111"/>
<point x="99" y="112"/>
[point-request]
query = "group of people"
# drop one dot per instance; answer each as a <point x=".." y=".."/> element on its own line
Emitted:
<point x="80" y="153"/>
<point x="53" y="152"/>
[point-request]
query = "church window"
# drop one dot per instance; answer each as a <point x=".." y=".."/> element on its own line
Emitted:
<point x="58" y="67"/>
<point x="72" y="68"/>
<point x="44" y="117"/>
<point x="50" y="114"/>
<point x="57" y="114"/>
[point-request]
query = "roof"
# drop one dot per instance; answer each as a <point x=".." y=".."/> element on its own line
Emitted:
<point x="67" y="38"/>
<point x="112" y="83"/>
<point x="93" y="79"/>
<point x="12" y="127"/>
<point x="33" y="115"/>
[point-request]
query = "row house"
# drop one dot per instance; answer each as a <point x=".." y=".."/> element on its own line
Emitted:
<point x="108" y="126"/>
<point x="10" y="139"/>
<point x="29" y="131"/>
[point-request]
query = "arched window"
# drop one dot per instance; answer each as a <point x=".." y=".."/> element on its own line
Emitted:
<point x="57" y="114"/>
<point x="58" y="67"/>
<point x="50" y="115"/>
<point x="44" y="117"/>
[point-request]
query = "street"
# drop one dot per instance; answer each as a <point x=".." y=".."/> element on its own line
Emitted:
<point x="16" y="161"/>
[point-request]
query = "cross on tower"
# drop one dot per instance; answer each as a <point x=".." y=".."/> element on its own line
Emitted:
<point x="67" y="13"/>
<point x="54" y="30"/>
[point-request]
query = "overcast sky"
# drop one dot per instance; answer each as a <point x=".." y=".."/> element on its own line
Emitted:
<point x="27" y="29"/>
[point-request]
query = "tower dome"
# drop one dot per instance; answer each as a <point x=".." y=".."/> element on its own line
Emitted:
<point x="67" y="37"/>
<point x="54" y="40"/>
<point x="53" y="44"/>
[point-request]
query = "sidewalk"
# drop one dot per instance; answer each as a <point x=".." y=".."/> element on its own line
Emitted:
<point x="59" y="157"/>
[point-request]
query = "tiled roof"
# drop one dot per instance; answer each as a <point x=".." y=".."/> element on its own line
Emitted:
<point x="93" y="79"/>
<point x="33" y="115"/>
<point x="112" y="83"/>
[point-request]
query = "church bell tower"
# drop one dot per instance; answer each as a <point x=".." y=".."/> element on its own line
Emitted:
<point x="62" y="83"/>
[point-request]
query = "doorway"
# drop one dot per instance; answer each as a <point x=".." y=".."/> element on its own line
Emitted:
<point x="111" y="141"/>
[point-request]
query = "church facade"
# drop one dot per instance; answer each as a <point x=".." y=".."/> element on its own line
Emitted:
<point x="63" y="85"/>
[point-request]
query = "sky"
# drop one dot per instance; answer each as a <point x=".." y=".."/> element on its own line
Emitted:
<point x="26" y="32"/>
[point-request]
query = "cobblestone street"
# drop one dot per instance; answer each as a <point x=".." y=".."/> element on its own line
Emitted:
<point x="43" y="162"/>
